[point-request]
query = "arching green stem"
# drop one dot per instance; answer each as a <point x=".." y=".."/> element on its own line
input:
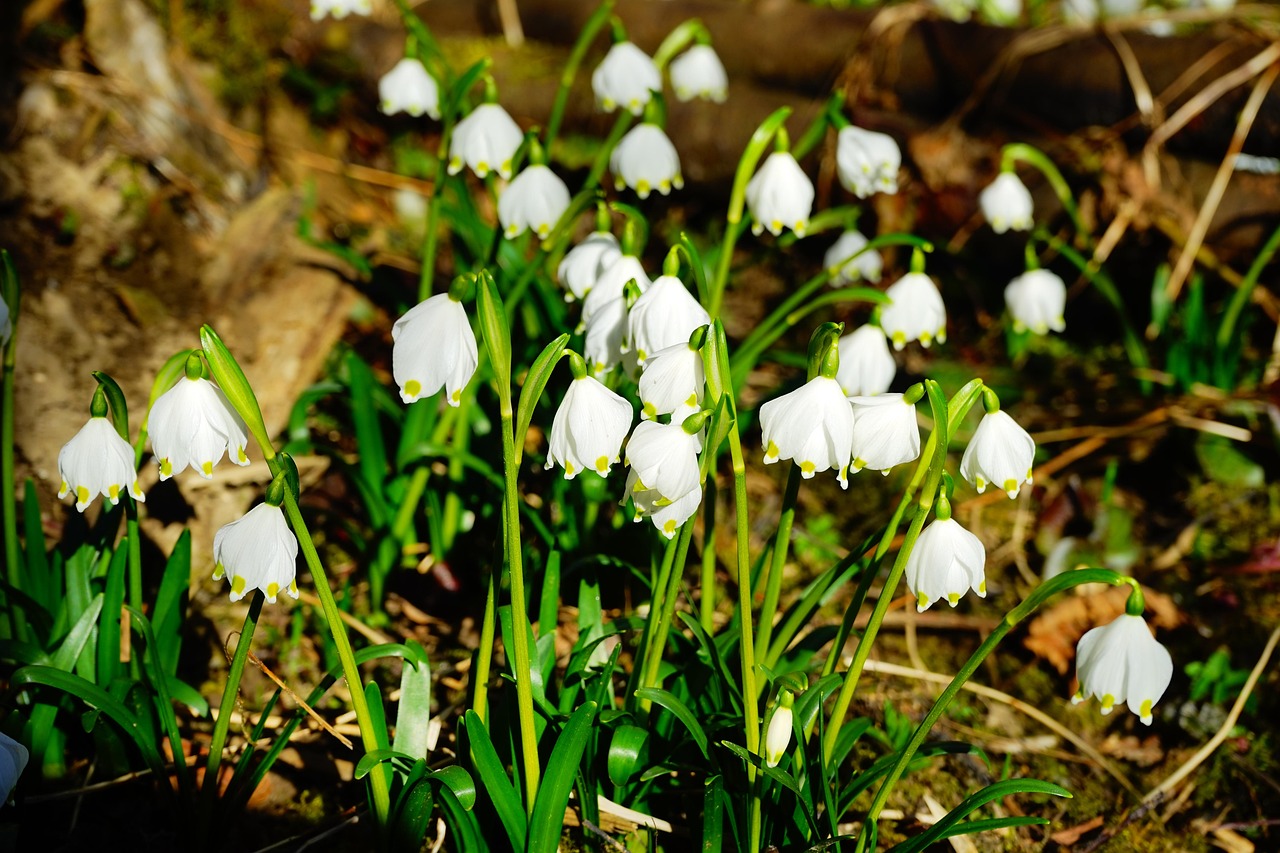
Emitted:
<point x="589" y="30"/>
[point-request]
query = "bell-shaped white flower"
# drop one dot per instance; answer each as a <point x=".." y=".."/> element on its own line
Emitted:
<point x="867" y="367"/>
<point x="867" y="162"/>
<point x="604" y="312"/>
<point x="581" y="267"/>
<point x="946" y="562"/>
<point x="780" y="195"/>
<point x="408" y="88"/>
<point x="257" y="551"/>
<point x="1037" y="300"/>
<point x="673" y="377"/>
<point x="339" y="9"/>
<point x="885" y="432"/>
<point x="664" y="315"/>
<point x="536" y="199"/>
<point x="13" y="760"/>
<point x="645" y="160"/>
<point x="847" y="262"/>
<point x="1121" y="662"/>
<point x="812" y="426"/>
<point x="97" y="461"/>
<point x="664" y="458"/>
<point x="781" y="726"/>
<point x="486" y="140"/>
<point x="588" y="428"/>
<point x="666" y="516"/>
<point x="1006" y="204"/>
<point x="1000" y="454"/>
<point x="193" y="423"/>
<point x="433" y="347"/>
<point x="1088" y="11"/>
<point x="915" y="312"/>
<point x="626" y="77"/>
<point x="699" y="73"/>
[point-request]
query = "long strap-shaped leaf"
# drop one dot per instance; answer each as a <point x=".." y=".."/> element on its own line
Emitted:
<point x="553" y="796"/>
<point x="975" y="801"/>
<point x="673" y="704"/>
<point x="494" y="778"/>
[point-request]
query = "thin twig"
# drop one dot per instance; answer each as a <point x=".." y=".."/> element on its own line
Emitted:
<point x="1190" y="765"/>
<point x="324" y="724"/>
<point x="1205" y="98"/>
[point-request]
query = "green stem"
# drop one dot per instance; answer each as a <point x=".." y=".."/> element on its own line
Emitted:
<point x="597" y="20"/>
<point x="673" y="558"/>
<point x="1033" y="602"/>
<point x="209" y="791"/>
<point x="707" y="592"/>
<point x="781" y="548"/>
<point x="484" y="652"/>
<point x="746" y="646"/>
<point x="1241" y="297"/>
<point x="430" y="239"/>
<point x="1034" y="156"/>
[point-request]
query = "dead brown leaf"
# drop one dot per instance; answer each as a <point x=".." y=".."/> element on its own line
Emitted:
<point x="1144" y="752"/>
<point x="1054" y="633"/>
<point x="1071" y="835"/>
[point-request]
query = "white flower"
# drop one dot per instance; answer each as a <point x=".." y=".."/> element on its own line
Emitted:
<point x="645" y="160"/>
<point x="193" y="424"/>
<point x="780" y="195"/>
<point x="1037" y="300"/>
<point x="866" y="365"/>
<point x="588" y="428"/>
<point x="946" y="562"/>
<point x="339" y="9"/>
<point x="13" y="760"/>
<point x="867" y="162"/>
<point x="433" y="347"/>
<point x="664" y="315"/>
<point x="257" y="551"/>
<point x="1122" y="662"/>
<point x="1006" y="204"/>
<point x="915" y="312"/>
<point x="778" y="737"/>
<point x="626" y="77"/>
<point x="1087" y="11"/>
<point x="673" y="377"/>
<point x="844" y="267"/>
<point x="581" y="267"/>
<point x="699" y="73"/>
<point x="1002" y="13"/>
<point x="408" y="88"/>
<point x="956" y="10"/>
<point x="885" y="432"/>
<point x="97" y="461"/>
<point x="664" y="458"/>
<point x="535" y="199"/>
<point x="604" y="312"/>
<point x="813" y="426"/>
<point x="1000" y="453"/>
<point x="486" y="140"/>
<point x="667" y="517"/>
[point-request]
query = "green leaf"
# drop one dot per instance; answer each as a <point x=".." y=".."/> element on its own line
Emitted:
<point x="43" y="715"/>
<point x="368" y="431"/>
<point x="496" y="333"/>
<point x="712" y="814"/>
<point x="384" y="755"/>
<point x="673" y="704"/>
<point x="109" y="622"/>
<point x="462" y="823"/>
<point x="168" y="611"/>
<point x="547" y="819"/>
<point x="535" y="383"/>
<point x="413" y="715"/>
<point x="626" y="752"/>
<point x="163" y="700"/>
<point x="713" y="656"/>
<point x="37" y="583"/>
<point x="458" y="782"/>
<point x="378" y="722"/>
<point x="780" y="776"/>
<point x="496" y="782"/>
<point x="412" y="816"/>
<point x="996" y="791"/>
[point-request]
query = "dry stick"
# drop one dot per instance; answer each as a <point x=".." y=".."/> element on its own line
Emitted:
<point x="301" y="702"/>
<point x="371" y="634"/>
<point x="1018" y="705"/>
<point x="1203" y="99"/>
<point x="1214" y="742"/>
<point x="1219" y="185"/>
<point x="1149" y="110"/>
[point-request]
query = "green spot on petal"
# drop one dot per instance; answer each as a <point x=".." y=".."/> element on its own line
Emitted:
<point x="669" y="528"/>
<point x="771" y="451"/>
<point x="412" y="388"/>
<point x="953" y="598"/>
<point x="568" y="469"/>
<point x="650" y="410"/>
<point x="166" y="468"/>
<point x="922" y="601"/>
<point x="1108" y="702"/>
<point x="1144" y="710"/>
<point x="240" y="457"/>
<point x="218" y="572"/>
<point x="602" y="464"/>
<point x="207" y="469"/>
<point x="807" y="467"/>
<point x="237" y="585"/>
<point x="273" y="589"/>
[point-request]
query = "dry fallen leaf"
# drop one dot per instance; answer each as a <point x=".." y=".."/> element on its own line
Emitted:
<point x="1070" y="835"/>
<point x="1054" y="633"/>
<point x="1144" y="752"/>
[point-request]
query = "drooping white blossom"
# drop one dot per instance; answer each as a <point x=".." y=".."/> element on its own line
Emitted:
<point x="1122" y="663"/>
<point x="664" y="458"/>
<point x="812" y="426"/>
<point x="257" y="551"/>
<point x="673" y="377"/>
<point x="193" y="423"/>
<point x="645" y="160"/>
<point x="848" y="263"/>
<point x="699" y="73"/>
<point x="664" y="315"/>
<point x="339" y="9"/>
<point x="1006" y="204"/>
<point x="1037" y="300"/>
<point x="946" y="562"/>
<point x="535" y="200"/>
<point x="1000" y="453"/>
<point x="433" y="347"/>
<point x="626" y="78"/>
<point x="588" y="428"/>
<point x="667" y="517"/>
<point x="866" y="364"/>
<point x="486" y="140"/>
<point x="581" y="267"/>
<point x="408" y="88"/>
<point x="867" y="162"/>
<point x="780" y="195"/>
<point x="915" y="312"/>
<point x="604" y="312"/>
<point x="97" y="461"/>
<point x="885" y="432"/>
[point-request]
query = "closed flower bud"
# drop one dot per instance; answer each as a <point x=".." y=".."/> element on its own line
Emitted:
<point x="664" y="315"/>
<point x="1037" y="300"/>
<point x="408" y="88"/>
<point x="584" y="263"/>
<point x="193" y="424"/>
<point x="1121" y="663"/>
<point x="97" y="461"/>
<point x="915" y="312"/>
<point x="433" y="347"/>
<point x="588" y="428"/>
<point x="778" y="738"/>
<point x="1006" y="203"/>
<point x="257" y="551"/>
<point x="535" y="200"/>
<point x="867" y="162"/>
<point x="626" y="78"/>
<point x="885" y="432"/>
<point x="699" y="73"/>
<point x="486" y="140"/>
<point x="1000" y="453"/>
<point x="812" y="426"/>
<point x="867" y="367"/>
<point x="645" y="160"/>
<point x="847" y="262"/>
<point x="780" y="195"/>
